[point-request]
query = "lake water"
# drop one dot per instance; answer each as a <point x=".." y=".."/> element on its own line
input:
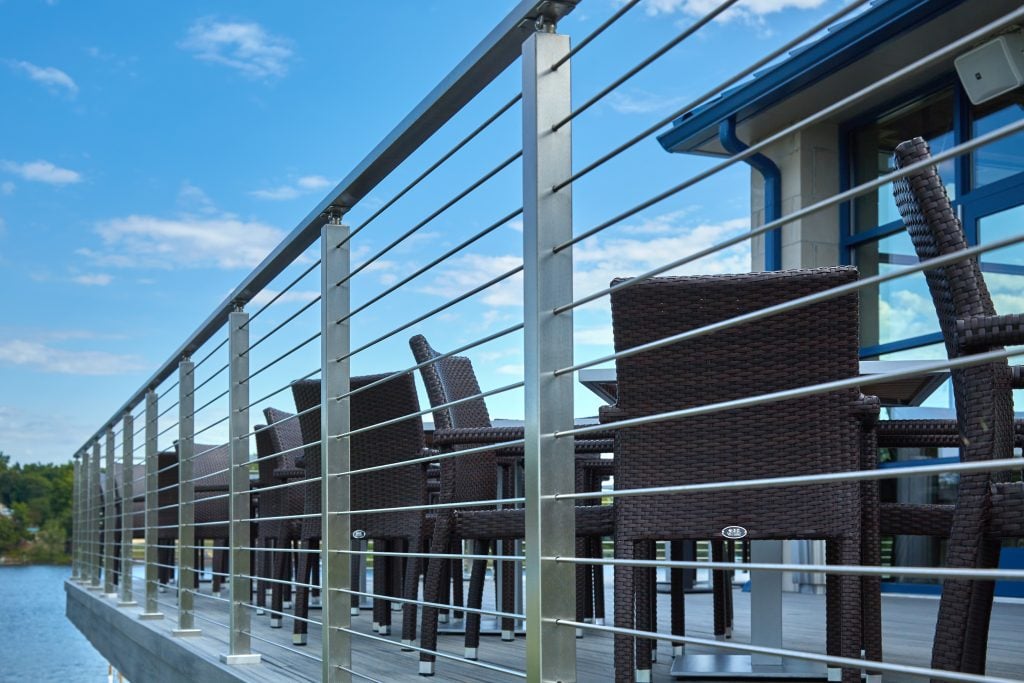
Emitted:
<point x="38" y="641"/>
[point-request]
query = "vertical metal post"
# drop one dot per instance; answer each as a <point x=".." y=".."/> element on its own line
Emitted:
<point x="76" y="514"/>
<point x="95" y="551"/>
<point x="187" y="579"/>
<point x="109" y="512"/>
<point x="547" y="221"/>
<point x="152" y="518"/>
<point x="239" y="643"/>
<point x="334" y="421"/>
<point x="127" y="508"/>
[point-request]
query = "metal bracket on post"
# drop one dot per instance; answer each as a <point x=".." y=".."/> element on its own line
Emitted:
<point x="152" y="518"/>
<point x="109" y="511"/>
<point x="550" y="462"/>
<point x="239" y="641"/>
<point x="334" y="451"/>
<point x="127" y="508"/>
<point x="95" y="551"/>
<point x="187" y="579"/>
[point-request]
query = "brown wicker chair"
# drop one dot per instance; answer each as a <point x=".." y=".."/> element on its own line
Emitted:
<point x="473" y="478"/>
<point x="284" y="436"/>
<point x="805" y="346"/>
<point x="392" y="487"/>
<point x="988" y="507"/>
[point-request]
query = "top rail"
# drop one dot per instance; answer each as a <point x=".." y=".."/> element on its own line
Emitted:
<point x="499" y="49"/>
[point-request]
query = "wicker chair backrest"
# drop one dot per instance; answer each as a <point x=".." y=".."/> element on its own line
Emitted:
<point x="814" y="434"/>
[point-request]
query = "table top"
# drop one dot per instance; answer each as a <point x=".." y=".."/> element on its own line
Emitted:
<point x="907" y="391"/>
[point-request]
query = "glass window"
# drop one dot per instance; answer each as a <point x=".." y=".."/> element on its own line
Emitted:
<point x="1004" y="157"/>
<point x="897" y="309"/>
<point x="873" y="145"/>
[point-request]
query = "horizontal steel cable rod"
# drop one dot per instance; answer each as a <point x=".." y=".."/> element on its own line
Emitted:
<point x="835" y="199"/>
<point x="211" y="402"/>
<point x="209" y="596"/>
<point x="209" y="355"/>
<point x="210" y="426"/>
<point x="216" y="496"/>
<point x="277" y="391"/>
<point x="946" y="50"/>
<point x="353" y="672"/>
<point x="425" y="603"/>
<point x="800" y="302"/>
<point x="167" y="429"/>
<point x="740" y="75"/>
<point x="209" y="379"/>
<point x="994" y="465"/>
<point x="302" y="309"/>
<point x="208" y="620"/>
<point x="798" y="392"/>
<point x="432" y="556"/>
<point x="284" y="582"/>
<point x="447" y="205"/>
<point x="595" y="33"/>
<point x="465" y="347"/>
<point x="284" y="355"/>
<point x="433" y="167"/>
<point x="288" y="450"/>
<point x="425" y="411"/>
<point x="843" y="662"/>
<point x="167" y="409"/>
<point x="436" y="653"/>
<point x="434" y="457"/>
<point x="440" y="259"/>
<point x="277" y="296"/>
<point x="285" y="485"/>
<point x="647" y="61"/>
<point x="274" y="612"/>
<point x="288" y="648"/>
<point x="435" y="311"/>
<point x="845" y="569"/>
<point x="169" y="605"/>
<point x="310" y="515"/>
<point x="261" y="549"/>
<point x="168" y="468"/>
<point x="174" y="385"/>
<point x="435" y="506"/>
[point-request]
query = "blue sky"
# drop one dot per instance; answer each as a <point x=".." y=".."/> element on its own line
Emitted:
<point x="152" y="153"/>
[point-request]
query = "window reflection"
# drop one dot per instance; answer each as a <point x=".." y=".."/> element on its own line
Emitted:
<point x="1004" y="157"/>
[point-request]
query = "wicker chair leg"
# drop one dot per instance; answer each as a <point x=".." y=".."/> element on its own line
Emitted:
<point x="849" y="616"/>
<point x="475" y="598"/>
<point x="305" y="577"/>
<point x="718" y="589"/>
<point x="410" y="592"/>
<point x="978" y="616"/>
<point x="625" y="614"/>
<point x="584" y="587"/>
<point x="508" y="591"/>
<point x="645" y="619"/>
<point x="677" y="594"/>
<point x="598" y="572"/>
<point x="433" y="584"/>
<point x="730" y="556"/>
<point x="458" y="589"/>
<point x="282" y="562"/>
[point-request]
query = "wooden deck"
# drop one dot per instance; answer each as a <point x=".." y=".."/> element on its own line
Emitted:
<point x="129" y="643"/>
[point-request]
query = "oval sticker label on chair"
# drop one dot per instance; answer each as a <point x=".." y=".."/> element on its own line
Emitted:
<point x="734" y="532"/>
<point x="359" y="533"/>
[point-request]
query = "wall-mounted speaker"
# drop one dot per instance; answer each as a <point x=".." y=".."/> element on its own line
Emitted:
<point x="992" y="69"/>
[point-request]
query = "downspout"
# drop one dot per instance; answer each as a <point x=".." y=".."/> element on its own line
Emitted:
<point x="772" y="190"/>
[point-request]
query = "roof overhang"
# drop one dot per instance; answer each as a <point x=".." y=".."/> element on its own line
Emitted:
<point x="852" y="55"/>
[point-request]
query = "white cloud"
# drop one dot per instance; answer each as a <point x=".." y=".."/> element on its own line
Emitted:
<point x="41" y="171"/>
<point x="303" y="185"/>
<point x="51" y="77"/>
<point x="752" y="11"/>
<point x="192" y="198"/>
<point x="903" y="314"/>
<point x="291" y="296"/>
<point x="188" y="242"/>
<point x="246" y="47"/>
<point x="642" y="102"/>
<point x="600" y="259"/>
<point x="7" y="187"/>
<point x="96" y="279"/>
<point x="20" y="434"/>
<point x="39" y="356"/>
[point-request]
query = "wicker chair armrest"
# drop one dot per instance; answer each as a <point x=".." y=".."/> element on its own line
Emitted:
<point x="918" y="434"/>
<point x="286" y="473"/>
<point x="210" y="488"/>
<point x="613" y="413"/>
<point x="985" y="332"/>
<point x="480" y="436"/>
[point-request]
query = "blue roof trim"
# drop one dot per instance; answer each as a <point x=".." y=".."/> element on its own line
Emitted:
<point x="843" y="44"/>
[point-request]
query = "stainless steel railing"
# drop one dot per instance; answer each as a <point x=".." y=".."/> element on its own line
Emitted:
<point x="242" y="355"/>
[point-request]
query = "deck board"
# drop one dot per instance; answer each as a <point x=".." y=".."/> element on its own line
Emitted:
<point x="907" y="628"/>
